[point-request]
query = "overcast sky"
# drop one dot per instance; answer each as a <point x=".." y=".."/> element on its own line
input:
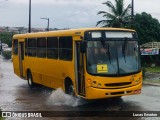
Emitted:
<point x="64" y="13"/>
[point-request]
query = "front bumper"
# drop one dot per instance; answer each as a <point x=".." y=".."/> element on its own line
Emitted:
<point x="96" y="93"/>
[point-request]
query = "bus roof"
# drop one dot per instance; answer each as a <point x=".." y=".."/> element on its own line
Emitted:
<point x="70" y="32"/>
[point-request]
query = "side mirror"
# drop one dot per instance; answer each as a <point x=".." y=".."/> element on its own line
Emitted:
<point x="83" y="46"/>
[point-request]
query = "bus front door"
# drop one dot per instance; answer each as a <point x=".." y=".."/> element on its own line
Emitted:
<point x="80" y="71"/>
<point x="21" y="58"/>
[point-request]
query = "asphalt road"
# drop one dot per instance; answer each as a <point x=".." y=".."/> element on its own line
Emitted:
<point x="15" y="95"/>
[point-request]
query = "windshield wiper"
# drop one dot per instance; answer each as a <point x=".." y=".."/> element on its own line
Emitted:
<point x="106" y="47"/>
<point x="124" y="47"/>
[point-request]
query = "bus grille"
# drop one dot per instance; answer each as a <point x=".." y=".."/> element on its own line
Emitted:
<point x="118" y="84"/>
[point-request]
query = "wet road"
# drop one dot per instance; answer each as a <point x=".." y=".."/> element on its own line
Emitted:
<point x="15" y="95"/>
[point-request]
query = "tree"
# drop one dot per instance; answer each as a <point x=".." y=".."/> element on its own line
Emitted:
<point x="118" y="15"/>
<point x="6" y="37"/>
<point x="147" y="27"/>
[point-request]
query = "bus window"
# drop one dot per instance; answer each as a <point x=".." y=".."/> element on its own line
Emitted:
<point x="15" y="47"/>
<point x="52" y="47"/>
<point x="41" y="47"/>
<point x="65" y="48"/>
<point x="31" y="47"/>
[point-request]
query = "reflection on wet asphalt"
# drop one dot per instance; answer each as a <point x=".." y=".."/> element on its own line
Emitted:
<point x="15" y="95"/>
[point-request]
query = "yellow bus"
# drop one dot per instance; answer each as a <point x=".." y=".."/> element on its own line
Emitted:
<point x="92" y="63"/>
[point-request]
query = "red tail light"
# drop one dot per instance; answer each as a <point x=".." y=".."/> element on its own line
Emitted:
<point x="137" y="91"/>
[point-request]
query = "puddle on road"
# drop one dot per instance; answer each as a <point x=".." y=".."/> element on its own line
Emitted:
<point x="58" y="97"/>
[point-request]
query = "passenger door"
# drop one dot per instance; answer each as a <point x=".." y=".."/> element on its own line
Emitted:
<point x="79" y="58"/>
<point x="21" y="58"/>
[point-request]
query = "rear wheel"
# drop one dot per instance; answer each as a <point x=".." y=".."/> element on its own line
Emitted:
<point x="30" y="80"/>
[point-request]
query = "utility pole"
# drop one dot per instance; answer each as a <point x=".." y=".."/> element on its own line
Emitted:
<point x="132" y="13"/>
<point x="29" y="28"/>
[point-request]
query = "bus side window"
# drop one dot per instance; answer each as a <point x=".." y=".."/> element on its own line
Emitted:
<point x="65" y="48"/>
<point x="41" y="47"/>
<point x="15" y="47"/>
<point x="32" y="47"/>
<point x="52" y="47"/>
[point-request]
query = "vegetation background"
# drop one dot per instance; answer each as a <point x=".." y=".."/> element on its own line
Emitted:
<point x="147" y="27"/>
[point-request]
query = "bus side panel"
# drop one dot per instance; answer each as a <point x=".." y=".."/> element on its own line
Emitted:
<point x="33" y="65"/>
<point x="52" y="74"/>
<point x="56" y="72"/>
<point x="49" y="72"/>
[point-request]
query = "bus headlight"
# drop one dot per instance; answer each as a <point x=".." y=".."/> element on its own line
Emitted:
<point x="94" y="83"/>
<point x="99" y="85"/>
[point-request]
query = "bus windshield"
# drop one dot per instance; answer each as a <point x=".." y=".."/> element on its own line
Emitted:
<point x="113" y="57"/>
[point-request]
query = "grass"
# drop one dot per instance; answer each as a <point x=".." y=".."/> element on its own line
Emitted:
<point x="152" y="69"/>
<point x="2" y="118"/>
<point x="1" y="115"/>
<point x="155" y="72"/>
<point x="153" y="81"/>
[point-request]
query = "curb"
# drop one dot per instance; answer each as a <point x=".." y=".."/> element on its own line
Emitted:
<point x="152" y="84"/>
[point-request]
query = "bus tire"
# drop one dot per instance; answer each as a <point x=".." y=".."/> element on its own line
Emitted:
<point x="31" y="84"/>
<point x="69" y="88"/>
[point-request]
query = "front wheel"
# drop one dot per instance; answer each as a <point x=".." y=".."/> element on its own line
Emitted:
<point x="70" y="89"/>
<point x="30" y="80"/>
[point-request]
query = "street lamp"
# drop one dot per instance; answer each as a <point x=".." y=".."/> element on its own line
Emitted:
<point x="29" y="29"/>
<point x="47" y="24"/>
